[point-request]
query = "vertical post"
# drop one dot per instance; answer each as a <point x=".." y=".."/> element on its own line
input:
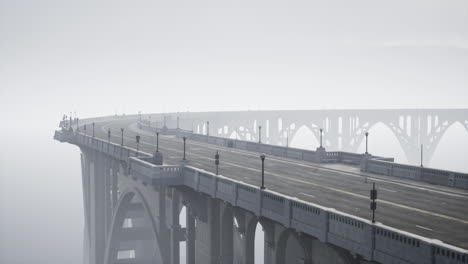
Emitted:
<point x="70" y="119"/>
<point x="367" y="136"/>
<point x="287" y="138"/>
<point x="207" y="128"/>
<point x="109" y="135"/>
<point x="164" y="121"/>
<point x="321" y="133"/>
<point x="93" y="129"/>
<point x="217" y="162"/>
<point x="122" y="130"/>
<point x="373" y="204"/>
<point x="184" y="138"/>
<point x="138" y="142"/>
<point x="421" y="155"/>
<point x="259" y="134"/>
<point x="157" y="141"/>
<point x="84" y="128"/>
<point x="77" y="124"/>
<point x="262" y="157"/>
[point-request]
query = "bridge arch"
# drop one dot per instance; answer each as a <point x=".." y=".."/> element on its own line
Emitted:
<point x="252" y="237"/>
<point x="304" y="137"/>
<point x="451" y="149"/>
<point x="133" y="234"/>
<point x="291" y="248"/>
<point x="385" y="141"/>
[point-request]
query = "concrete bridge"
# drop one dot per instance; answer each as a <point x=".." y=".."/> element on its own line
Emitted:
<point x="342" y="129"/>
<point x="314" y="208"/>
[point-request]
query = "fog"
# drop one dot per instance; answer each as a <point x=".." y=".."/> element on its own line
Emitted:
<point x="100" y="58"/>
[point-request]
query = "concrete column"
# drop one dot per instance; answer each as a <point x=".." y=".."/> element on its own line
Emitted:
<point x="207" y="234"/>
<point x="97" y="209"/>
<point x="190" y="244"/>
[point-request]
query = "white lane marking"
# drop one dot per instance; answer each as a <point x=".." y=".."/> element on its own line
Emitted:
<point x="307" y="194"/>
<point x="388" y="190"/>
<point x="413" y="185"/>
<point x="330" y="188"/>
<point x="422" y="227"/>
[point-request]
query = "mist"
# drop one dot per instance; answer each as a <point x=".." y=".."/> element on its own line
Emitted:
<point x="95" y="58"/>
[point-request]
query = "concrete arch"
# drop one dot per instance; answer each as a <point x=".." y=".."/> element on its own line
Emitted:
<point x="250" y="237"/>
<point x="308" y="130"/>
<point x="290" y="241"/>
<point x="123" y="207"/>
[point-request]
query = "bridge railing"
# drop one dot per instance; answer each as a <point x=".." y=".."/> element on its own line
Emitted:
<point x="376" y="242"/>
<point x="374" y="164"/>
<point x="417" y="173"/>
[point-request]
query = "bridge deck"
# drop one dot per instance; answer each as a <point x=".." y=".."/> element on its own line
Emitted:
<point x="428" y="210"/>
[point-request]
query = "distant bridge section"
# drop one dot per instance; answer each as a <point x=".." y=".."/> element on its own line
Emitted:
<point x="342" y="129"/>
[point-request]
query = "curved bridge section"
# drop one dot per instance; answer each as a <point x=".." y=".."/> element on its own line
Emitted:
<point x="343" y="129"/>
<point x="132" y="208"/>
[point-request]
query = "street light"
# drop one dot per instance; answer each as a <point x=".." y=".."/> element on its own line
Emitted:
<point x="421" y="155"/>
<point x="259" y="134"/>
<point x="157" y="141"/>
<point x="217" y="162"/>
<point x="184" y="138"/>
<point x="93" y="129"/>
<point x="122" y="130"/>
<point x="321" y="133"/>
<point x="138" y="142"/>
<point x="367" y="135"/>
<point x="262" y="156"/>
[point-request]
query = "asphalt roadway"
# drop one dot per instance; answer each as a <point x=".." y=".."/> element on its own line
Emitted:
<point x="431" y="211"/>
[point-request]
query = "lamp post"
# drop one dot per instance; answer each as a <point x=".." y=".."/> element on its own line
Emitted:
<point x="138" y="142"/>
<point x="367" y="135"/>
<point x="84" y="128"/>
<point x="321" y="133"/>
<point x="373" y="204"/>
<point x="122" y="130"/>
<point x="157" y="141"/>
<point x="262" y="157"/>
<point x="93" y="129"/>
<point x="259" y="134"/>
<point x="207" y="128"/>
<point x="184" y="138"/>
<point x="421" y="155"/>
<point x="77" y="124"/>
<point x="287" y="138"/>
<point x="217" y="162"/>
<point x="108" y="134"/>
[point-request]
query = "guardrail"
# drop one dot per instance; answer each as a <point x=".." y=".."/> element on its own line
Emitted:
<point x="373" y="164"/>
<point x="375" y="242"/>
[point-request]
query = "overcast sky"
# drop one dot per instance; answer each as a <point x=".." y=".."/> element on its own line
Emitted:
<point x="104" y="57"/>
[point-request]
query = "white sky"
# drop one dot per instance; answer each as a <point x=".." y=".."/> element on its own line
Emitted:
<point x="113" y="56"/>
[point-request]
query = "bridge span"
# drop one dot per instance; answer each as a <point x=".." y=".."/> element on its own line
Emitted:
<point x="315" y="208"/>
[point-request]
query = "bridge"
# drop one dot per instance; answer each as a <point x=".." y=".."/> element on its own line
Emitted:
<point x="314" y="209"/>
<point x="342" y="129"/>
